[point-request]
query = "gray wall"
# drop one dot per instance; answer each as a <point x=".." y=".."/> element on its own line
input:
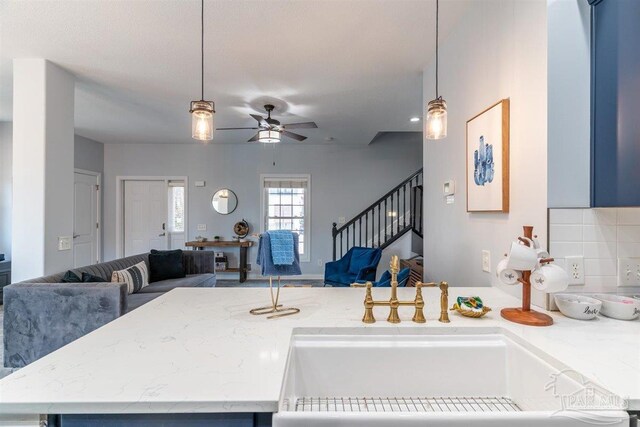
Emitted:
<point x="496" y="51"/>
<point x="344" y="180"/>
<point x="6" y="136"/>
<point x="88" y="154"/>
<point x="569" y="93"/>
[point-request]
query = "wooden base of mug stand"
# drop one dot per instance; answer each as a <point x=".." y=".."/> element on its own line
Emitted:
<point x="529" y="317"/>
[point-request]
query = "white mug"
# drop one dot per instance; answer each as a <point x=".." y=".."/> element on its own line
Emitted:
<point x="542" y="253"/>
<point x="506" y="275"/>
<point x="550" y="278"/>
<point x="521" y="257"/>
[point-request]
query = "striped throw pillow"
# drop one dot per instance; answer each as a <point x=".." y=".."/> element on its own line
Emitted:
<point x="136" y="277"/>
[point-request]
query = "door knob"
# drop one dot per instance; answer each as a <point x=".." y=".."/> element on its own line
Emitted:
<point x="75" y="236"/>
<point x="162" y="235"/>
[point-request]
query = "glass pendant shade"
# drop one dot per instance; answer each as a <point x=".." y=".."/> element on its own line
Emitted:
<point x="202" y="113"/>
<point x="269" y="136"/>
<point x="436" y="123"/>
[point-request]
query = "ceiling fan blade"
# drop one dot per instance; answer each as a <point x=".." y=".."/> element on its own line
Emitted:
<point x="261" y="120"/>
<point x="235" y="128"/>
<point x="294" y="135"/>
<point x="254" y="138"/>
<point x="305" y="125"/>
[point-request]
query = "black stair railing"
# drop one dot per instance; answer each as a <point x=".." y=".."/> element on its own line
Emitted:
<point x="385" y="221"/>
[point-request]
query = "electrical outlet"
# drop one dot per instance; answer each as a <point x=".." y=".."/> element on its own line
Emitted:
<point x="320" y="263"/>
<point x="628" y="271"/>
<point x="202" y="227"/>
<point x="486" y="261"/>
<point x="575" y="269"/>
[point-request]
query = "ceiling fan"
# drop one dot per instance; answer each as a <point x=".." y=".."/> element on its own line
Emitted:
<point x="270" y="130"/>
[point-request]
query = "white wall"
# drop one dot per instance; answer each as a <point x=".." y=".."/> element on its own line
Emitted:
<point x="42" y="209"/>
<point x="498" y="50"/>
<point x="344" y="181"/>
<point x="569" y="91"/>
<point x="6" y="130"/>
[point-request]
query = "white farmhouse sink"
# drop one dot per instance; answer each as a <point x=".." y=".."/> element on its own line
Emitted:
<point x="435" y="377"/>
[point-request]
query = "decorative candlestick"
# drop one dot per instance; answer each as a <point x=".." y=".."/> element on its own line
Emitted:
<point x="524" y="315"/>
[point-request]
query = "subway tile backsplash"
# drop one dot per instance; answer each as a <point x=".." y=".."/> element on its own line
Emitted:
<point x="601" y="236"/>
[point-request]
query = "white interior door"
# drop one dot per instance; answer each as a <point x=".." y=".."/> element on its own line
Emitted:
<point x="85" y="219"/>
<point x="145" y="216"/>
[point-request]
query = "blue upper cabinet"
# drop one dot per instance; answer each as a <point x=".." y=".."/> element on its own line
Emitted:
<point x="615" y="103"/>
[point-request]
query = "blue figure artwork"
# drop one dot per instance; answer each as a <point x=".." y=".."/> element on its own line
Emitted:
<point x="483" y="163"/>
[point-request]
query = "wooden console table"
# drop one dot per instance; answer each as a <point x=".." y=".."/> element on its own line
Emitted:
<point x="244" y="246"/>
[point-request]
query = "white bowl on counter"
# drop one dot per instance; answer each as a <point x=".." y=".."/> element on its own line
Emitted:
<point x="578" y="306"/>
<point x="619" y="307"/>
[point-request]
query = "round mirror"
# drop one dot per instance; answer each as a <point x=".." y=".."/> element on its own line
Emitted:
<point x="224" y="201"/>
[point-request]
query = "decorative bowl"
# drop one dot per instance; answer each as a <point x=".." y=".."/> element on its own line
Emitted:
<point x="578" y="306"/>
<point x="619" y="307"/>
<point x="470" y="307"/>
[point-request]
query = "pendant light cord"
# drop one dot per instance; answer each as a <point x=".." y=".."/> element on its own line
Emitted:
<point x="202" y="49"/>
<point x="437" y="19"/>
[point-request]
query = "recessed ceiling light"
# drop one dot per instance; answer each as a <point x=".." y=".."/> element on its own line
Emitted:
<point x="414" y="119"/>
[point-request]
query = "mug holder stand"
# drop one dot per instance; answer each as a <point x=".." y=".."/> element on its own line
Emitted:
<point x="524" y="315"/>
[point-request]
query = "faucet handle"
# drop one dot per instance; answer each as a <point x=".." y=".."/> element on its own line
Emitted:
<point x="418" y="317"/>
<point x="368" y="305"/>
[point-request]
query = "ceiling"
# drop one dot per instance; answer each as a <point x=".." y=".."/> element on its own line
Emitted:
<point x="352" y="66"/>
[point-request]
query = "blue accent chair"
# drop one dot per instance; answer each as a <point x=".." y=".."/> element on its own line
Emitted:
<point x="358" y="264"/>
<point x="385" y="279"/>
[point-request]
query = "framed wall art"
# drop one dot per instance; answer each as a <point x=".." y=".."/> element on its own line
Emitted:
<point x="488" y="159"/>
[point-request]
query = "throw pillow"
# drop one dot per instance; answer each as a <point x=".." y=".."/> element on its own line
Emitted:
<point x="90" y="278"/>
<point x="70" y="277"/>
<point x="165" y="265"/>
<point x="136" y="277"/>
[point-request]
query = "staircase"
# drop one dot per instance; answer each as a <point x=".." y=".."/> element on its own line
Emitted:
<point x="385" y="221"/>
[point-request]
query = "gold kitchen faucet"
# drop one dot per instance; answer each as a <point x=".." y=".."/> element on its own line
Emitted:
<point x="394" y="303"/>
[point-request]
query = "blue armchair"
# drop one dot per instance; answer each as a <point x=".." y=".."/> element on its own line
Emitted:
<point x="385" y="279"/>
<point x="357" y="264"/>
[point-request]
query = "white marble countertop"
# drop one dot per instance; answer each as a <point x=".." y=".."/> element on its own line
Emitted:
<point x="199" y="350"/>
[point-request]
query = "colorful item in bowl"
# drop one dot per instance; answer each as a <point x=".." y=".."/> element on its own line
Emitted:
<point x="578" y="306"/>
<point x="619" y="307"/>
<point x="470" y="307"/>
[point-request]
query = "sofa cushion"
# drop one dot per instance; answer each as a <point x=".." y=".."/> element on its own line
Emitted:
<point x="136" y="300"/>
<point x="90" y="278"/>
<point x="360" y="258"/>
<point x="136" y="277"/>
<point x="70" y="277"/>
<point x="165" y="265"/>
<point x="190" y="281"/>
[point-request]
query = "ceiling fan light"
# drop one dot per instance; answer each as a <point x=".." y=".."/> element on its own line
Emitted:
<point x="269" y="136"/>
<point x="202" y="113"/>
<point x="436" y="123"/>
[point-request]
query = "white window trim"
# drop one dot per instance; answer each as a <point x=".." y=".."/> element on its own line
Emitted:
<point x="307" y="207"/>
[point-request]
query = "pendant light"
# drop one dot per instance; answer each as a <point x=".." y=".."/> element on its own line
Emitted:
<point x="436" y="123"/>
<point x="202" y="111"/>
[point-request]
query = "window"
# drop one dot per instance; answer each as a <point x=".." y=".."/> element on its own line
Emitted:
<point x="286" y="207"/>
<point x="176" y="207"/>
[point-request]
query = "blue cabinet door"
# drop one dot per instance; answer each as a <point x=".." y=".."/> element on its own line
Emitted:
<point x="615" y="78"/>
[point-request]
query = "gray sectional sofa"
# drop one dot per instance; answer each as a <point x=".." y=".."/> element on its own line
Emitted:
<point x="42" y="314"/>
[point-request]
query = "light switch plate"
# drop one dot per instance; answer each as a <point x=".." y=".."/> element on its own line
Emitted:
<point x="64" y="243"/>
<point x="202" y="227"/>
<point x="486" y="261"/>
<point x="200" y="183"/>
<point x="341" y="220"/>
<point x="628" y="271"/>
<point x="575" y="269"/>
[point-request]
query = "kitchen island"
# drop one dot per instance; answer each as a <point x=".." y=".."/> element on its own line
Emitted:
<point x="200" y="351"/>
